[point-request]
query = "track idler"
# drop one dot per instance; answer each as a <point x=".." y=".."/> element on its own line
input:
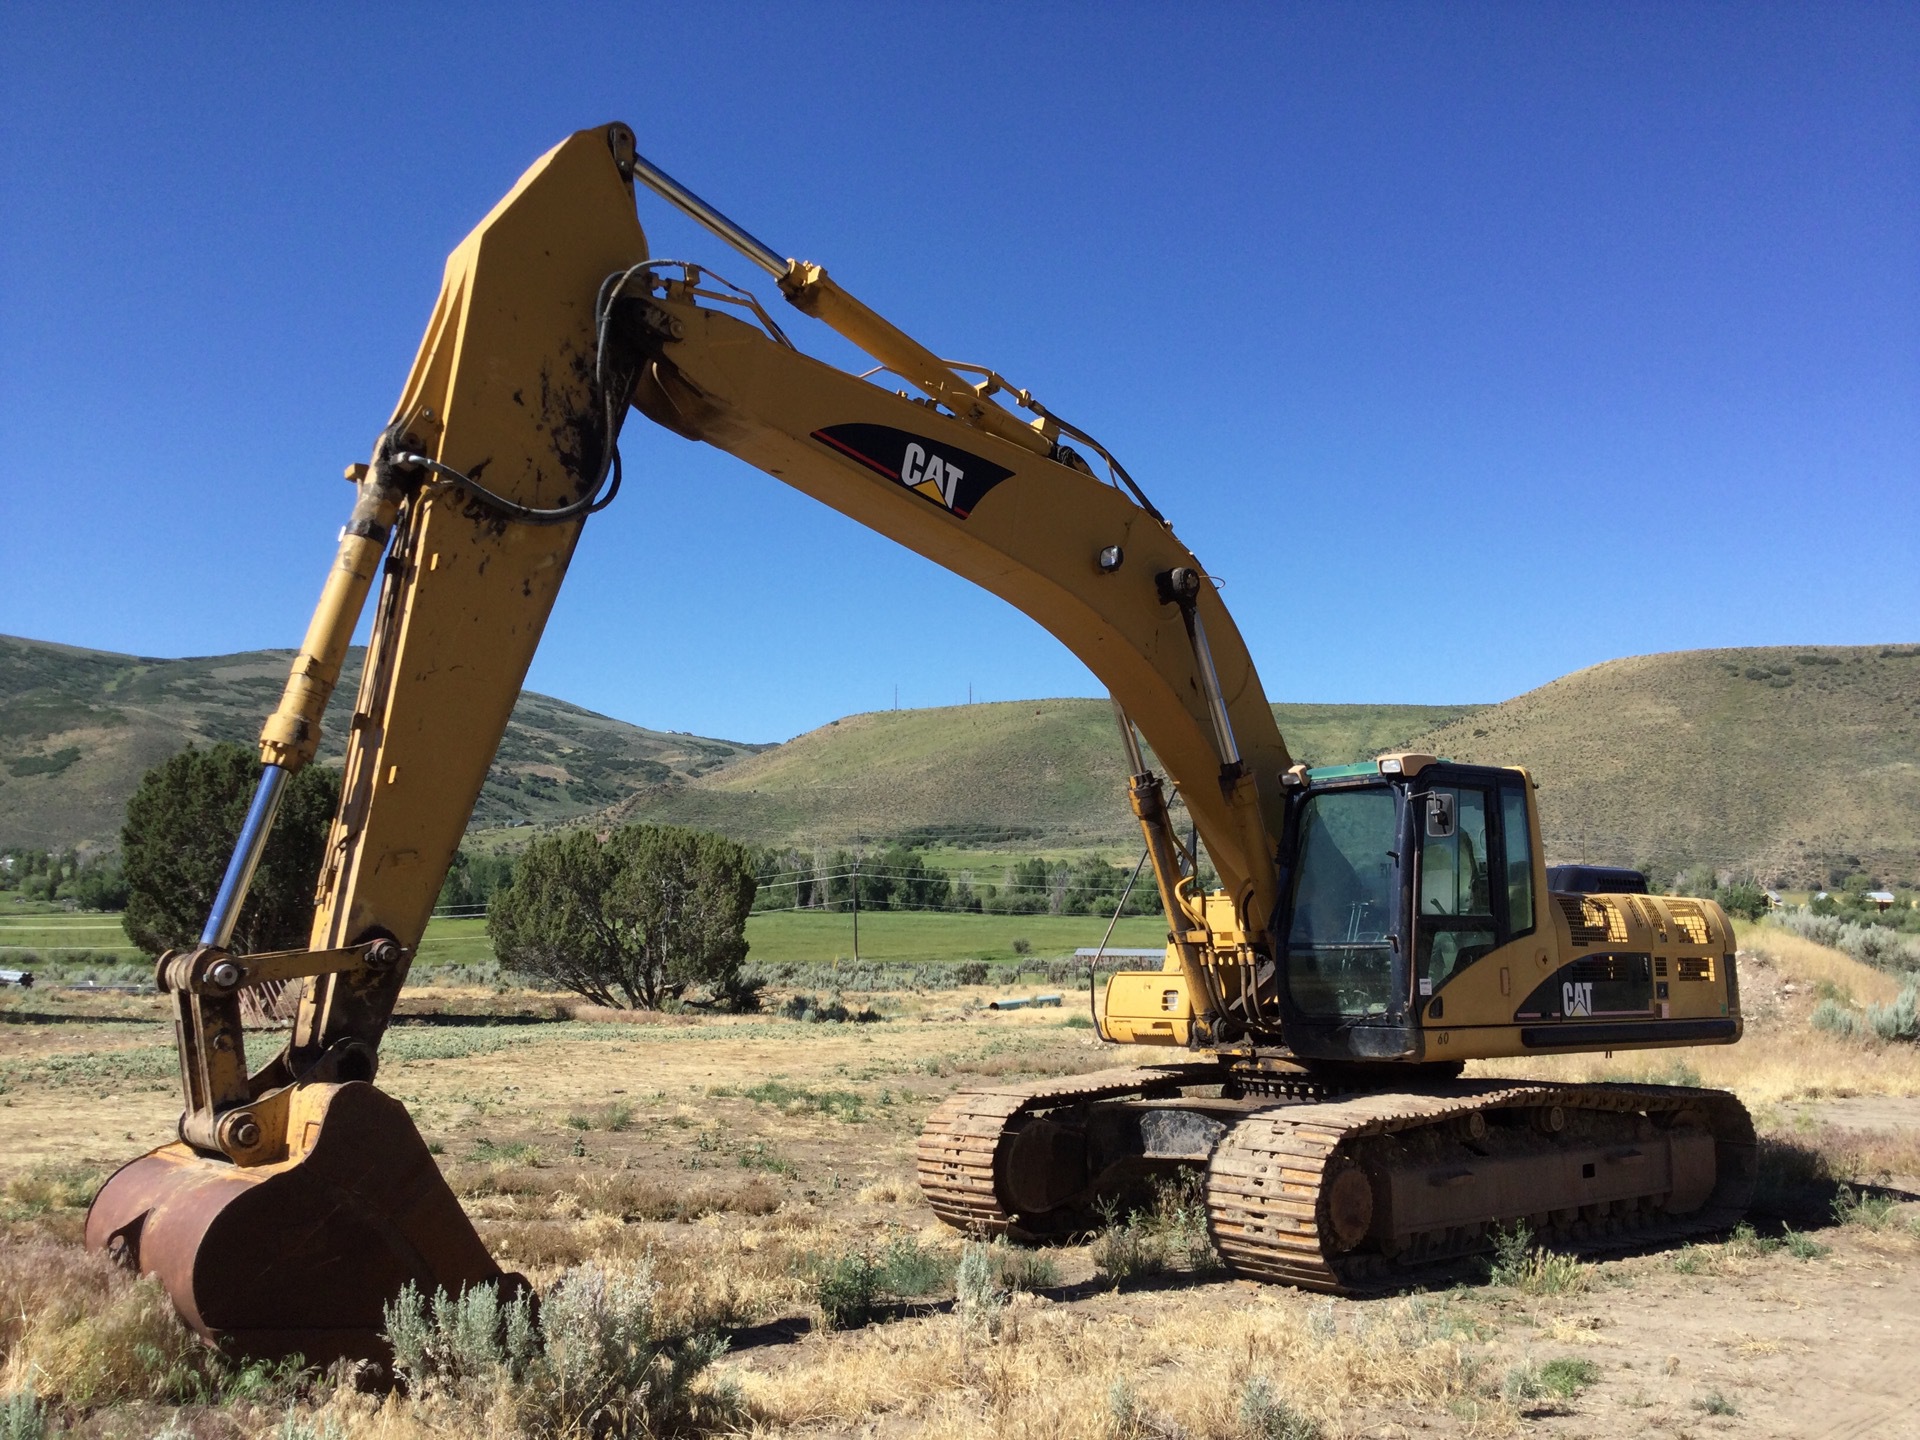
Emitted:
<point x="299" y="1256"/>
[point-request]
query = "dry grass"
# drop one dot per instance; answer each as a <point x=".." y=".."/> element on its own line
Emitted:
<point x="1805" y="963"/>
<point x="77" y="1330"/>
<point x="724" y="1271"/>
<point x="46" y="1188"/>
<point x="1588" y="1330"/>
<point x="1053" y="1371"/>
<point x="543" y="1221"/>
<point x="892" y="1190"/>
<point x="525" y="1191"/>
<point x="48" y="1201"/>
<point x="394" y="1417"/>
<point x="714" y="1275"/>
<point x="726" y="1276"/>
<point x="542" y="1247"/>
<point x="1069" y="1058"/>
<point x="608" y="1015"/>
<point x="1876" y="1156"/>
<point x="673" y="1181"/>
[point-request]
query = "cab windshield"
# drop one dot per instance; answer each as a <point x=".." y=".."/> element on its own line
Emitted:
<point x="1339" y="961"/>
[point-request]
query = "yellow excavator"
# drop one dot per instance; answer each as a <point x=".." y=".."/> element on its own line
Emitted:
<point x="1376" y="926"/>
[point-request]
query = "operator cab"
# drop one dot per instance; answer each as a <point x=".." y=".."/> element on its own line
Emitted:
<point x="1401" y="874"/>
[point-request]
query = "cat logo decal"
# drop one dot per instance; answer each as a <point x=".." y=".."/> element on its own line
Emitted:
<point x="1576" y="997"/>
<point x="937" y="472"/>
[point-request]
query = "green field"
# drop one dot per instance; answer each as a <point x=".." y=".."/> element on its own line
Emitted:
<point x="39" y="931"/>
<point x="886" y="936"/>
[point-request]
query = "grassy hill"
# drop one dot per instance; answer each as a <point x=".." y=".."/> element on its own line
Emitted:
<point x="1791" y="760"/>
<point x="79" y="727"/>
<point x="1042" y="771"/>
<point x="1795" y="762"/>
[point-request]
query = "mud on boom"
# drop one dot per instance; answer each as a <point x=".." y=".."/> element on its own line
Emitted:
<point x="1377" y="924"/>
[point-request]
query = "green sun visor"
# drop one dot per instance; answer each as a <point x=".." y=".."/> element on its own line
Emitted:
<point x="1343" y="772"/>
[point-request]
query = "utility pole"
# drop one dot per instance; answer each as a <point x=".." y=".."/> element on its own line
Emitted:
<point x="856" y="902"/>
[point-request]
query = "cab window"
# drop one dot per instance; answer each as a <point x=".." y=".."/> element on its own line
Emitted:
<point x="1518" y="846"/>
<point x="1455" y="924"/>
<point x="1340" y="959"/>
<point x="1453" y="854"/>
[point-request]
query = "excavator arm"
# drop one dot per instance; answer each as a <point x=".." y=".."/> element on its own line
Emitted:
<point x="281" y="1218"/>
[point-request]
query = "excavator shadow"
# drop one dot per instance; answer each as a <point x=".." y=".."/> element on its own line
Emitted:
<point x="788" y="1331"/>
<point x="38" y="1017"/>
<point x="1828" y="1207"/>
<point x="792" y="1329"/>
<point x="1437" y="1278"/>
<point x="453" y="1020"/>
<point x="1161" y="1283"/>
<point x="1797" y="1188"/>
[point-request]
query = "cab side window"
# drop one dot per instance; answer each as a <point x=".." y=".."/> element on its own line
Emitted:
<point x="1455" y="901"/>
<point x="1519" y="858"/>
<point x="1453" y="867"/>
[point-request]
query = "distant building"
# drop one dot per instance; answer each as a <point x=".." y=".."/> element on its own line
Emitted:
<point x="1881" y="898"/>
<point x="1774" y="902"/>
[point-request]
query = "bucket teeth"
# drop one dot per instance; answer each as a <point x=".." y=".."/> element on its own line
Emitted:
<point x="302" y="1256"/>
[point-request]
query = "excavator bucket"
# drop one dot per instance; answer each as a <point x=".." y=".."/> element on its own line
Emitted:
<point x="299" y="1256"/>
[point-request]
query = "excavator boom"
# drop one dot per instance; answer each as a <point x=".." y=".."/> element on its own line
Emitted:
<point x="551" y="319"/>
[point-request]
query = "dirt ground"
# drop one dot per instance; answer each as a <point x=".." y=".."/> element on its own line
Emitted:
<point x="737" y="1151"/>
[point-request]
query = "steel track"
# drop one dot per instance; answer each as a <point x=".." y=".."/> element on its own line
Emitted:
<point x="963" y="1145"/>
<point x="1266" y="1186"/>
<point x="1266" y="1191"/>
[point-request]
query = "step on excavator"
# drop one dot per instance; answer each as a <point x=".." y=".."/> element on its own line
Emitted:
<point x="1301" y="1047"/>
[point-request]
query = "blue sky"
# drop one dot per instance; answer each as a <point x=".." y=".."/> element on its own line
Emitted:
<point x="1471" y="344"/>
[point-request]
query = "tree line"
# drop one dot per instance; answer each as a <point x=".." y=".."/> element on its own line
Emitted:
<point x="900" y="878"/>
<point x="897" y="877"/>
<point x="637" y="916"/>
<point x="89" y="882"/>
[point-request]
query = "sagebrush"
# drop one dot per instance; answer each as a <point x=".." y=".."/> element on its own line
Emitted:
<point x="594" y="1359"/>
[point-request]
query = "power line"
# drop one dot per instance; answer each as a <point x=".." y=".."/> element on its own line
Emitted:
<point x="910" y="877"/>
<point x="946" y="910"/>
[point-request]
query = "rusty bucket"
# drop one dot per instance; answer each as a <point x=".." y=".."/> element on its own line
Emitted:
<point x="299" y="1256"/>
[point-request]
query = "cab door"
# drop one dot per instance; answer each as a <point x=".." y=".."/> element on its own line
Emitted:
<point x="1473" y="879"/>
